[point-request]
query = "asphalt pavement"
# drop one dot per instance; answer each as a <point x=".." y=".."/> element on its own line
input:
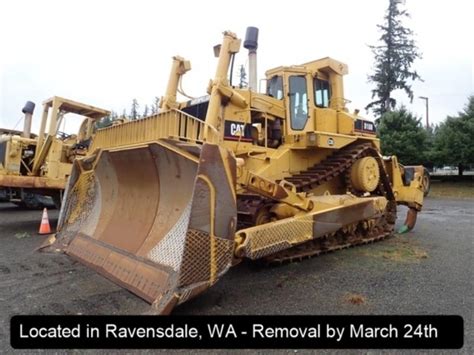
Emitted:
<point x="426" y="271"/>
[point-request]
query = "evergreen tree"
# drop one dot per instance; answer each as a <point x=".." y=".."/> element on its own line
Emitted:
<point x="394" y="57"/>
<point x="134" y="110"/>
<point x="124" y="113"/>
<point x="103" y="122"/>
<point x="243" y="77"/>
<point x="453" y="143"/>
<point x="145" y="111"/>
<point x="155" y="106"/>
<point x="402" y="134"/>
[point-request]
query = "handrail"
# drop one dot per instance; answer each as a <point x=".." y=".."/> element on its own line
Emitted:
<point x="173" y="123"/>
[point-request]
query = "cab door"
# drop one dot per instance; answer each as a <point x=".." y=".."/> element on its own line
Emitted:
<point x="298" y="105"/>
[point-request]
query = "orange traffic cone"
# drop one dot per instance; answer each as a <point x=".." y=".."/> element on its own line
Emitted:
<point x="44" y="226"/>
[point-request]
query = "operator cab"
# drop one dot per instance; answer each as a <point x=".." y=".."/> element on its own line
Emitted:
<point x="313" y="97"/>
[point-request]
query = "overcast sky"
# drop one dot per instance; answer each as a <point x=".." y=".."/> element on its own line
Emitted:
<point x="105" y="53"/>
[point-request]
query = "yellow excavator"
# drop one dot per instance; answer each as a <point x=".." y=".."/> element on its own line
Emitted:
<point x="165" y="205"/>
<point x="33" y="165"/>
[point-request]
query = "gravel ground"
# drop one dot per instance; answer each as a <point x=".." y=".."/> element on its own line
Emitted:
<point x="427" y="271"/>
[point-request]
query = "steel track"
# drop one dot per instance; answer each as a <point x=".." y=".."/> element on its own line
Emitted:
<point x="337" y="164"/>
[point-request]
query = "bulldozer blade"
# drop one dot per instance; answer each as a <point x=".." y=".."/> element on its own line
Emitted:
<point x="158" y="219"/>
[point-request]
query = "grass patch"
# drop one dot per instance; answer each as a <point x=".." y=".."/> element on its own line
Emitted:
<point x="22" y="235"/>
<point x="460" y="189"/>
<point x="355" y="298"/>
<point x="398" y="250"/>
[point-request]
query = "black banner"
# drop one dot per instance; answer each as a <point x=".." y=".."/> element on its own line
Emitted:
<point x="237" y="131"/>
<point x="238" y="332"/>
<point x="364" y="126"/>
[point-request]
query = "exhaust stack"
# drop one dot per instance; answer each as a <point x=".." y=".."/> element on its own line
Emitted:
<point x="251" y="43"/>
<point x="28" y="111"/>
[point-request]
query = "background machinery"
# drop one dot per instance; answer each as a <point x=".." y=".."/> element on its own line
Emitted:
<point x="18" y="196"/>
<point x="33" y="168"/>
<point x="166" y="204"/>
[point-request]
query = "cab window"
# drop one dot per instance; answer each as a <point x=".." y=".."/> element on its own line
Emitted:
<point x="275" y="87"/>
<point x="298" y="102"/>
<point x="322" y="93"/>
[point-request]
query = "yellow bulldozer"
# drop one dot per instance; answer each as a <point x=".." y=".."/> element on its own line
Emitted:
<point x="165" y="205"/>
<point x="32" y="165"/>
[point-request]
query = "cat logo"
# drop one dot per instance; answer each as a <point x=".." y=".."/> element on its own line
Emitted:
<point x="237" y="129"/>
